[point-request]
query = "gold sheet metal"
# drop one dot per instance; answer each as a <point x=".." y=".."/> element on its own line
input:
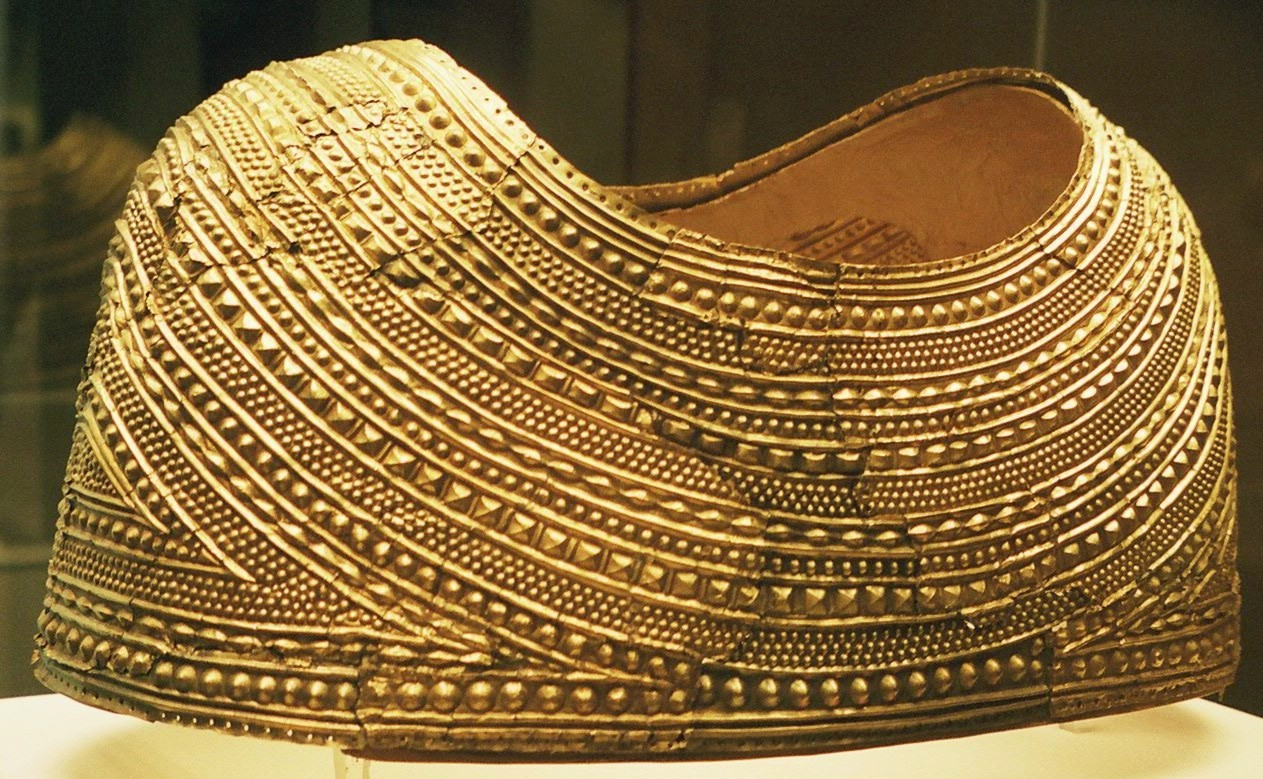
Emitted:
<point x="401" y="433"/>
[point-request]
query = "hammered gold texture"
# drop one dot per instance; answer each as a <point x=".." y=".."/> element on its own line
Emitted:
<point x="400" y="433"/>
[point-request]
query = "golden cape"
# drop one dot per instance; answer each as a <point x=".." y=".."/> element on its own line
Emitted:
<point x="400" y="432"/>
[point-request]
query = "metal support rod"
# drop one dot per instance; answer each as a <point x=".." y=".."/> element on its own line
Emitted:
<point x="1039" y="57"/>
<point x="349" y="766"/>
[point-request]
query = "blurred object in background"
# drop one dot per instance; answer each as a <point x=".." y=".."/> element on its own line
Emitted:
<point x="58" y="203"/>
<point x="57" y="212"/>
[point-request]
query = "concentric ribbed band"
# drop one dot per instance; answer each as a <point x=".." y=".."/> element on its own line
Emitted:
<point x="400" y="432"/>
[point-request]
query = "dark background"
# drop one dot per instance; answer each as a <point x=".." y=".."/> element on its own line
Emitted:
<point x="634" y="91"/>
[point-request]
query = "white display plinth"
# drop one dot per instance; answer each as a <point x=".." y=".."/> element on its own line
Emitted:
<point x="52" y="737"/>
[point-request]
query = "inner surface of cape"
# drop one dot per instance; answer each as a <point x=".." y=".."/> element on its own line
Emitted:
<point x="950" y="176"/>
